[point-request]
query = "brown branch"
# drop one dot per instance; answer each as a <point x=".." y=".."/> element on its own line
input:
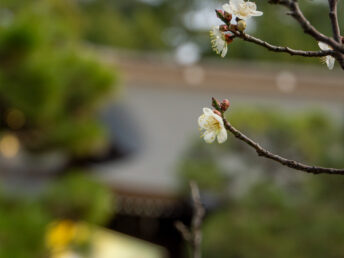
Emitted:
<point x="334" y="19"/>
<point x="194" y="235"/>
<point x="269" y="155"/>
<point x="288" y="50"/>
<point x="308" y="28"/>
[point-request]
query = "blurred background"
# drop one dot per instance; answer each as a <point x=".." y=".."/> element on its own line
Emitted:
<point x="99" y="101"/>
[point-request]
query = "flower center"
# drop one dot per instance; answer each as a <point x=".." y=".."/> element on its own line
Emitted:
<point x="214" y="125"/>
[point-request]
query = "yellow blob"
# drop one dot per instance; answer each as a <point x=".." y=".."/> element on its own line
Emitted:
<point x="9" y="145"/>
<point x="60" y="235"/>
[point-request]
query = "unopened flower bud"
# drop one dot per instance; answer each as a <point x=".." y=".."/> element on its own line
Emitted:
<point x="229" y="38"/>
<point x="241" y="25"/>
<point x="215" y="101"/>
<point x="217" y="112"/>
<point x="225" y="104"/>
<point x="233" y="27"/>
<point x="227" y="16"/>
<point x="223" y="28"/>
<point x="220" y="13"/>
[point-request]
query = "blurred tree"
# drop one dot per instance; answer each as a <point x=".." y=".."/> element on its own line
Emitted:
<point x="48" y="80"/>
<point x="132" y="24"/>
<point x="72" y="198"/>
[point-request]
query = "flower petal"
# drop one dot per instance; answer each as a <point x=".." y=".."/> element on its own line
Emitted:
<point x="251" y="6"/>
<point x="323" y="46"/>
<point x="257" y="13"/>
<point x="208" y="111"/>
<point x="219" y="119"/>
<point x="202" y="121"/>
<point x="236" y="4"/>
<point x="222" y="136"/>
<point x="224" y="51"/>
<point x="209" y="136"/>
<point x="227" y="8"/>
<point x="330" y="62"/>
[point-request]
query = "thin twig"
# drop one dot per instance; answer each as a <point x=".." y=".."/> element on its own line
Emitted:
<point x="334" y="19"/>
<point x="288" y="50"/>
<point x="269" y="155"/>
<point x="194" y="235"/>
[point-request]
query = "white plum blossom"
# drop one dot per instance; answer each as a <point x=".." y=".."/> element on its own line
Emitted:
<point x="329" y="60"/>
<point x="242" y="9"/>
<point x="212" y="126"/>
<point x="218" y="41"/>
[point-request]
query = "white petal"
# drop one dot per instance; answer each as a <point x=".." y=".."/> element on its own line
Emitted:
<point x="218" y="118"/>
<point x="251" y="6"/>
<point x="220" y="44"/>
<point x="257" y="13"/>
<point x="208" y="111"/>
<point x="224" y="51"/>
<point x="323" y="46"/>
<point x="227" y="8"/>
<point x="236" y="4"/>
<point x="209" y="136"/>
<point x="330" y="62"/>
<point x="222" y="136"/>
<point x="202" y="121"/>
<point x="216" y="32"/>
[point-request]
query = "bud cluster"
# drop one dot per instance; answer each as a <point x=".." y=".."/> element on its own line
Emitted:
<point x="224" y="34"/>
<point x="229" y="26"/>
<point x="220" y="107"/>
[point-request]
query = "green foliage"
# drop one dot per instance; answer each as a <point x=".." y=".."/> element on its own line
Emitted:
<point x="22" y="224"/>
<point x="78" y="197"/>
<point x="130" y="24"/>
<point x="271" y="221"/>
<point x="45" y="75"/>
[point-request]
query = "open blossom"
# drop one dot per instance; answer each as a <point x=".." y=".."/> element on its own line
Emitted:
<point x="242" y="9"/>
<point x="218" y="41"/>
<point x="329" y="60"/>
<point x="212" y="126"/>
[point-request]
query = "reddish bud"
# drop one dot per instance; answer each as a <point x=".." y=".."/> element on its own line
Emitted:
<point x="220" y="13"/>
<point x="342" y="38"/>
<point x="223" y="28"/>
<point x="217" y="112"/>
<point x="229" y="38"/>
<point x="225" y="104"/>
<point x="227" y="16"/>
